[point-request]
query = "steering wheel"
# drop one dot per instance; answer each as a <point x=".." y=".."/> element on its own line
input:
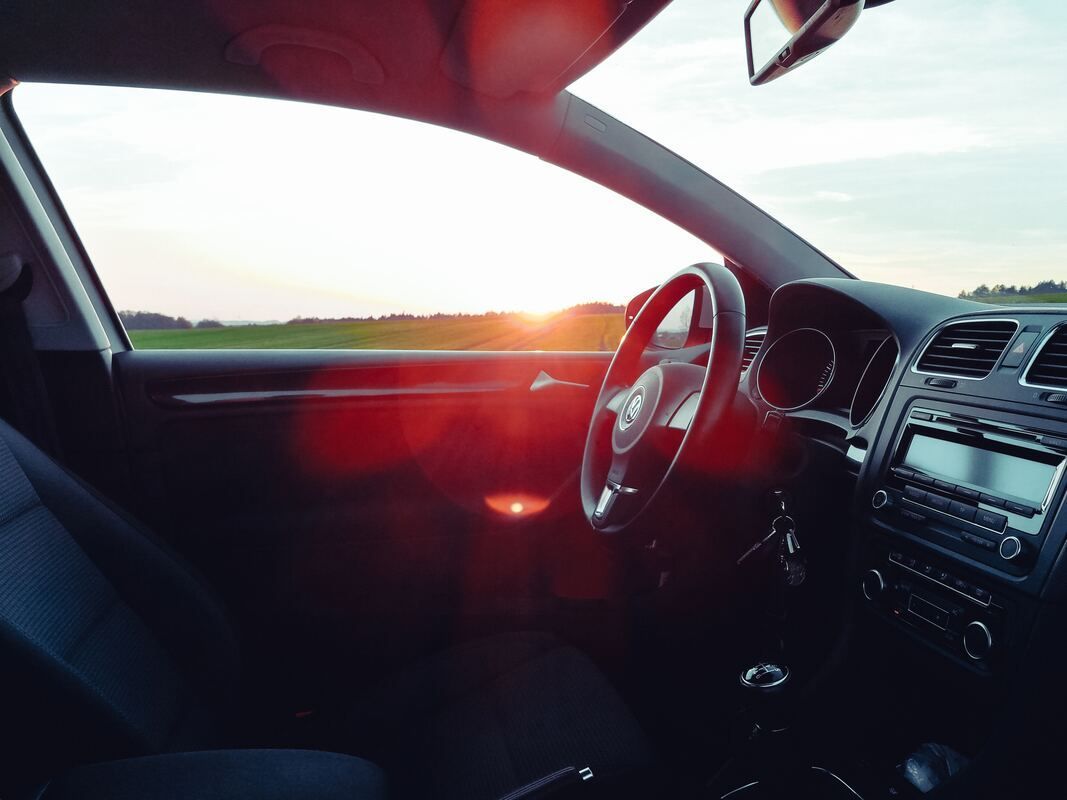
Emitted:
<point x="644" y="422"/>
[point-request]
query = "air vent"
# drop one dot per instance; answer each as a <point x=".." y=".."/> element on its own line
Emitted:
<point x="1050" y="366"/>
<point x="967" y="349"/>
<point x="753" y="342"/>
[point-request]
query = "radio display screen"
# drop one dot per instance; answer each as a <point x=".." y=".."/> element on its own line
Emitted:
<point x="996" y="472"/>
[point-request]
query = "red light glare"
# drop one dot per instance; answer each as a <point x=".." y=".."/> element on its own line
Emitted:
<point x="517" y="505"/>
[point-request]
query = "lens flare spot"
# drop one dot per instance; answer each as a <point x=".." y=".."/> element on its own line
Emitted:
<point x="516" y="505"/>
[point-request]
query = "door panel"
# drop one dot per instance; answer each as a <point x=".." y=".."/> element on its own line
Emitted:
<point x="361" y="503"/>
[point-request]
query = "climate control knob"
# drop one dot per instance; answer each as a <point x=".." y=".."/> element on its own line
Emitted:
<point x="880" y="499"/>
<point x="1011" y="549"/>
<point x="977" y="640"/>
<point x="872" y="583"/>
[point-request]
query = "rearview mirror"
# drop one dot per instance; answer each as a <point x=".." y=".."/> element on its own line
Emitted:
<point x="782" y="34"/>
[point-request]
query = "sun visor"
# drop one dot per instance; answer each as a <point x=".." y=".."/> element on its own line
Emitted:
<point x="502" y="47"/>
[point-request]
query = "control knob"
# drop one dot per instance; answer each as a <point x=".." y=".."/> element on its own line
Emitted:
<point x="880" y="499"/>
<point x="1011" y="549"/>
<point x="977" y="640"/>
<point x="872" y="583"/>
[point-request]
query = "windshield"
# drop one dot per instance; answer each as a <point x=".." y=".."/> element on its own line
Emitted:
<point x="925" y="149"/>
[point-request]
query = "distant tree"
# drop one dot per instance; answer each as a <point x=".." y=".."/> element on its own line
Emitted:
<point x="152" y="321"/>
<point x="1046" y="286"/>
<point x="594" y="308"/>
<point x="209" y="323"/>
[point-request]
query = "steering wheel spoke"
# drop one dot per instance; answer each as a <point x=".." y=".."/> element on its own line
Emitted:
<point x="611" y="493"/>
<point x="614" y="405"/>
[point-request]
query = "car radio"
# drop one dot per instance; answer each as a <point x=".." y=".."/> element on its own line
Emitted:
<point x="976" y="485"/>
<point x="959" y="617"/>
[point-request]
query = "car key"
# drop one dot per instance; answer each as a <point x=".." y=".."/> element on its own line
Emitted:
<point x="794" y="566"/>
<point x="758" y="545"/>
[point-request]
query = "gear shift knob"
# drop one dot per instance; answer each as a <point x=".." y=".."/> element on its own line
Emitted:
<point x="765" y="677"/>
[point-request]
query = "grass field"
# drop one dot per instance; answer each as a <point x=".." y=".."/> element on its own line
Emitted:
<point x="582" y="332"/>
<point x="1024" y="299"/>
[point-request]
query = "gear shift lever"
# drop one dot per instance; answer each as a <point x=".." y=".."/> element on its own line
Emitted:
<point x="770" y="755"/>
<point x="765" y="688"/>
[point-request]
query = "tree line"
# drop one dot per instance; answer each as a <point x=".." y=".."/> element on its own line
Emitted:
<point x="1002" y="290"/>
<point x="153" y="321"/>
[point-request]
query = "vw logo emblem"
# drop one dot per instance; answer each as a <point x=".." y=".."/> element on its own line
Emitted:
<point x="633" y="409"/>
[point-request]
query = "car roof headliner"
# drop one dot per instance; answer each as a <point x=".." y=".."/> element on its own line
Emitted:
<point x="493" y="67"/>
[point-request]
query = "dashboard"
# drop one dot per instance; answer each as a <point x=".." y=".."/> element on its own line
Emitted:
<point x="952" y="417"/>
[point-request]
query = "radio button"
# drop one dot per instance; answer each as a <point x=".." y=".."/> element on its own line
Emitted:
<point x="1019" y="508"/>
<point x="962" y="510"/>
<point x="945" y="486"/>
<point x="978" y="541"/>
<point x="937" y="501"/>
<point x="904" y="472"/>
<point x="970" y="494"/>
<point x="914" y="493"/>
<point x="990" y="519"/>
<point x="992" y="500"/>
<point x="926" y="479"/>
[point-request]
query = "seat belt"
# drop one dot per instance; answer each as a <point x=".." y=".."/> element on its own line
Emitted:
<point x="28" y="405"/>
<point x="552" y="784"/>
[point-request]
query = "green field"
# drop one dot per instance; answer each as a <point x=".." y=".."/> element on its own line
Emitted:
<point x="581" y="332"/>
<point x="1023" y="299"/>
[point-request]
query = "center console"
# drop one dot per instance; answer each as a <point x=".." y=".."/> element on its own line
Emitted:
<point x="960" y="497"/>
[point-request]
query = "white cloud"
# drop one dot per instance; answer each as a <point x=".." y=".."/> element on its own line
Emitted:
<point x="834" y="197"/>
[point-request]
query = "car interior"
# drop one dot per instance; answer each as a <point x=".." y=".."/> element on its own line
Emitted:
<point x="809" y="546"/>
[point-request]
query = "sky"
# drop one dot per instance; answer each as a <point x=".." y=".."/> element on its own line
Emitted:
<point x="926" y="149"/>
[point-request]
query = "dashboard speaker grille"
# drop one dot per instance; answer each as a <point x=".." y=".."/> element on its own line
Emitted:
<point x="967" y="349"/>
<point x="753" y="342"/>
<point x="1050" y="366"/>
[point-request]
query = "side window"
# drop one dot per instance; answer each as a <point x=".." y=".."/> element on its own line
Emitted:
<point x="673" y="331"/>
<point x="221" y="221"/>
